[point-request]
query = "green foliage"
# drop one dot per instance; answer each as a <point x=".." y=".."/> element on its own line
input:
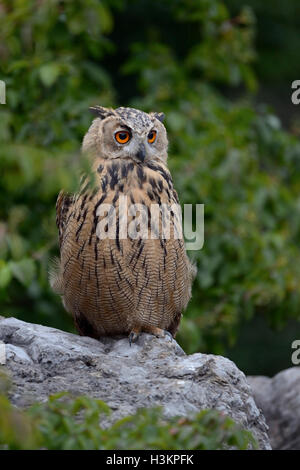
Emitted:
<point x="65" y="423"/>
<point x="57" y="58"/>
<point x="61" y="428"/>
<point x="277" y="38"/>
<point x="17" y="430"/>
<point x="207" y="430"/>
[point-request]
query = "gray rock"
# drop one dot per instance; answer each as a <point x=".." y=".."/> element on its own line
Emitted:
<point x="279" y="399"/>
<point x="43" y="361"/>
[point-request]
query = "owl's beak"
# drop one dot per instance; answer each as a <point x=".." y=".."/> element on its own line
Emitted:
<point x="141" y="154"/>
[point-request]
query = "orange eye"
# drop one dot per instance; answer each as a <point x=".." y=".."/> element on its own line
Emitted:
<point x="152" y="136"/>
<point x="122" y="137"/>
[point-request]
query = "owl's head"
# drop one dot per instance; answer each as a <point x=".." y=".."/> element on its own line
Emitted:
<point x="127" y="133"/>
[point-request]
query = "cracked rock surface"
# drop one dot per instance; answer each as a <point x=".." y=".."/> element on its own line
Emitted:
<point x="153" y="372"/>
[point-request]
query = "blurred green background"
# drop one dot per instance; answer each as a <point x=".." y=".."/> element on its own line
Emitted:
<point x="222" y="73"/>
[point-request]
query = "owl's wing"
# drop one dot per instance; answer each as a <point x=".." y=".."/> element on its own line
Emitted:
<point x="63" y="204"/>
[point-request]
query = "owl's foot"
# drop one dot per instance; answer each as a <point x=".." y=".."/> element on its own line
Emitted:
<point x="152" y="330"/>
<point x="134" y="334"/>
<point x="159" y="332"/>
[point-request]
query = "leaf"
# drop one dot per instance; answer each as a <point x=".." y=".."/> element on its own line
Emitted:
<point x="23" y="270"/>
<point x="5" y="274"/>
<point x="49" y="73"/>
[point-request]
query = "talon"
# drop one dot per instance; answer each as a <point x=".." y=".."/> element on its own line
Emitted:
<point x="133" y="337"/>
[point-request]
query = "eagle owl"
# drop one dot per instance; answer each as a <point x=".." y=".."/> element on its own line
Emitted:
<point x="122" y="285"/>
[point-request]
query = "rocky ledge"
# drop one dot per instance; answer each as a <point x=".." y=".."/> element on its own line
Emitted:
<point x="42" y="361"/>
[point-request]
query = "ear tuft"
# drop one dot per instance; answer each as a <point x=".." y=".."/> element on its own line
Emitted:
<point x="159" y="116"/>
<point x="100" y="111"/>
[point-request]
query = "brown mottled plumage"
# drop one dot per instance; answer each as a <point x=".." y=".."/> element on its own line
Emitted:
<point x="121" y="286"/>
